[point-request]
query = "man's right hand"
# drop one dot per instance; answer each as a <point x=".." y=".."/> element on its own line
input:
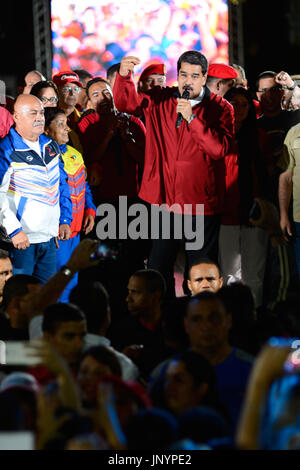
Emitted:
<point x="20" y="241"/>
<point x="80" y="258"/>
<point x="286" y="228"/>
<point x="127" y="65"/>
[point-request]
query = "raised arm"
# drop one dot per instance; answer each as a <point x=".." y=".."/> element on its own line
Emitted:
<point x="125" y="95"/>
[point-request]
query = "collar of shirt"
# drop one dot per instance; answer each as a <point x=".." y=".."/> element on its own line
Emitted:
<point x="198" y="99"/>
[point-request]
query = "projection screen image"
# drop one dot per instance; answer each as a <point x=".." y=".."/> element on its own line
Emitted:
<point x="95" y="34"/>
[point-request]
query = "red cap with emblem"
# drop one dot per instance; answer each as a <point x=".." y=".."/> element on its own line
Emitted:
<point x="62" y="78"/>
<point x="222" y="71"/>
<point x="160" y="69"/>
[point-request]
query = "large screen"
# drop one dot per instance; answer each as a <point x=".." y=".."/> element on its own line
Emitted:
<point x="95" y="34"/>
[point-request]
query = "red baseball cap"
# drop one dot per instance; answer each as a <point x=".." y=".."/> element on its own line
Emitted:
<point x="160" y="69"/>
<point x="62" y="78"/>
<point x="222" y="71"/>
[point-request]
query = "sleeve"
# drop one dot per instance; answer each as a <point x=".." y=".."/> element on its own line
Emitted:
<point x="7" y="217"/>
<point x="215" y="135"/>
<point x="90" y="208"/>
<point x="65" y="201"/>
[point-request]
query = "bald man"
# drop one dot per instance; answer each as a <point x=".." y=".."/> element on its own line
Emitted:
<point x="34" y="195"/>
<point x="31" y="78"/>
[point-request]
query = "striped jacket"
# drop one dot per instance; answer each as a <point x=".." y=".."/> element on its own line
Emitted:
<point x="34" y="194"/>
<point x="82" y="200"/>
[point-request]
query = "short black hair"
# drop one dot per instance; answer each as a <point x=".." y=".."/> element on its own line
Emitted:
<point x="35" y="90"/>
<point x="16" y="286"/>
<point x="93" y="300"/>
<point x="50" y="113"/>
<point x="4" y="254"/>
<point x="83" y="74"/>
<point x="265" y="74"/>
<point x="194" y="58"/>
<point x="198" y="261"/>
<point x="95" y="80"/>
<point x="198" y="367"/>
<point x="59" y="313"/>
<point x="105" y="356"/>
<point x="112" y="70"/>
<point x="154" y="280"/>
<point x="207" y="295"/>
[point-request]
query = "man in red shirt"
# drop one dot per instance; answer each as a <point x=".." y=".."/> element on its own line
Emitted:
<point x="183" y="164"/>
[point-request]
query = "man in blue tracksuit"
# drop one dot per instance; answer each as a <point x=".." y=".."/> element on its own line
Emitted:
<point x="35" y="203"/>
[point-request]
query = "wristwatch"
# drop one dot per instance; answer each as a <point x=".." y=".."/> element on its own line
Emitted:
<point x="66" y="271"/>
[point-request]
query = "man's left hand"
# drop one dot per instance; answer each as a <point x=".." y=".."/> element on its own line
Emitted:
<point x="88" y="224"/>
<point x="64" y="232"/>
<point x="184" y="107"/>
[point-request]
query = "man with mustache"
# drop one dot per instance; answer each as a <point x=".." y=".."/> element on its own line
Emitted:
<point x="34" y="196"/>
<point x="184" y="162"/>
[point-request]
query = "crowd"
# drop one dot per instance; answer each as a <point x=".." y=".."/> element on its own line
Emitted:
<point x="116" y="357"/>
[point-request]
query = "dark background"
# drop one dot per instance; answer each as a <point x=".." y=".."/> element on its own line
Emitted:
<point x="270" y="38"/>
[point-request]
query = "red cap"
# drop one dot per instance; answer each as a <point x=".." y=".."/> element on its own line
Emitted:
<point x="62" y="78"/>
<point x="222" y="71"/>
<point x="153" y="68"/>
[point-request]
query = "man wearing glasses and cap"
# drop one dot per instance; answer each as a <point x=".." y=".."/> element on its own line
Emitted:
<point x="69" y="87"/>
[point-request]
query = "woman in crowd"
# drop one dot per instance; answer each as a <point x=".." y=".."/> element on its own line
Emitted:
<point x="47" y="92"/>
<point x="84" y="210"/>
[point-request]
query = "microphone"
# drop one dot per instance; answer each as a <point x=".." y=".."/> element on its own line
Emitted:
<point x="185" y="95"/>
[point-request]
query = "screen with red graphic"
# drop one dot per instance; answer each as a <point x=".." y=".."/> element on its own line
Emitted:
<point x="95" y="34"/>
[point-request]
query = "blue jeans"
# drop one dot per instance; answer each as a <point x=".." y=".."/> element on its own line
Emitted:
<point x="297" y="245"/>
<point x="63" y="254"/>
<point x="38" y="260"/>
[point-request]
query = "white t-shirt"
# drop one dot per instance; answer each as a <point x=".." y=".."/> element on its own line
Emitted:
<point x="34" y="146"/>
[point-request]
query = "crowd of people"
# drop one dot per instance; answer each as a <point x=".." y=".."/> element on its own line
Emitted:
<point x="116" y="357"/>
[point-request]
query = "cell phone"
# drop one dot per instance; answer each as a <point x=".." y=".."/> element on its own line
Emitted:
<point x="104" y="252"/>
<point x="17" y="353"/>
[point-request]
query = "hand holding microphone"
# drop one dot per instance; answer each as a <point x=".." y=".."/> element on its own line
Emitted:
<point x="184" y="108"/>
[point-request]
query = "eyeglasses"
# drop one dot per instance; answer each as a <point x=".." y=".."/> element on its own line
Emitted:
<point x="53" y="99"/>
<point x="272" y="89"/>
<point x="68" y="89"/>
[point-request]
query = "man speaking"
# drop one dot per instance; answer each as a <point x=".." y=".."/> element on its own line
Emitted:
<point x="184" y="160"/>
